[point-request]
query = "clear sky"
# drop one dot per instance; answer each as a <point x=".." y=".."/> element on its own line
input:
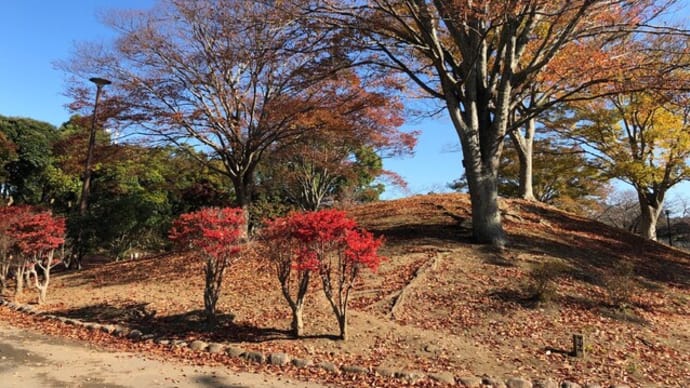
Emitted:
<point x="34" y="34"/>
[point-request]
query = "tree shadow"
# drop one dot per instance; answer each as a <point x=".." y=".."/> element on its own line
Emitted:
<point x="652" y="261"/>
<point x="212" y="382"/>
<point x="192" y="324"/>
<point x="421" y="233"/>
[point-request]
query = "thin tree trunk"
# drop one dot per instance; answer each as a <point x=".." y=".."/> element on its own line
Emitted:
<point x="210" y="292"/>
<point x="342" y="325"/>
<point x="4" y="272"/>
<point x="43" y="286"/>
<point x="19" y="276"/>
<point x="524" y="148"/>
<point x="297" y="319"/>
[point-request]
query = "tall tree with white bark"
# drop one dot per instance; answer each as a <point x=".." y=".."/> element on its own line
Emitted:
<point x="480" y="60"/>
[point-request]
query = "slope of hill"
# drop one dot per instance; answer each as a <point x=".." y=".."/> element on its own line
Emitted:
<point x="440" y="303"/>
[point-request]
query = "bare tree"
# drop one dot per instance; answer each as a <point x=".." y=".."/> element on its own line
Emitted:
<point x="234" y="78"/>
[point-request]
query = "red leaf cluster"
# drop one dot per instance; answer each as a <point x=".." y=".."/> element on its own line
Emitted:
<point x="321" y="233"/>
<point x="326" y="242"/>
<point x="214" y="231"/>
<point x="34" y="232"/>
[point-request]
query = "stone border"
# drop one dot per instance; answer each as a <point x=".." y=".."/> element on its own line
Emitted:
<point x="282" y="359"/>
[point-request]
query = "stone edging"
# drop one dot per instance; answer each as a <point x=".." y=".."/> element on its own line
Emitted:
<point x="281" y="359"/>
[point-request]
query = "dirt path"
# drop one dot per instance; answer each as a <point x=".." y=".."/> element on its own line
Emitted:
<point x="29" y="359"/>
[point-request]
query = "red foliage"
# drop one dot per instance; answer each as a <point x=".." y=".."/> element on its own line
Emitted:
<point x="36" y="232"/>
<point x="214" y="231"/>
<point x="8" y="216"/>
<point x="327" y="242"/>
<point x="361" y="248"/>
<point x="322" y="233"/>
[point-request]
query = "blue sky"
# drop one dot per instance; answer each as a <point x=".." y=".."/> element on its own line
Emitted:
<point x="37" y="33"/>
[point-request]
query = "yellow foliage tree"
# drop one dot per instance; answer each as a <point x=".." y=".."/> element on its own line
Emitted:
<point x="643" y="139"/>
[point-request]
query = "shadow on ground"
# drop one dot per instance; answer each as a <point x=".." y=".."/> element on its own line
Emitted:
<point x="180" y="326"/>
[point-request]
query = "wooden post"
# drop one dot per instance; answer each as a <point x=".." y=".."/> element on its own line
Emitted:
<point x="578" y="345"/>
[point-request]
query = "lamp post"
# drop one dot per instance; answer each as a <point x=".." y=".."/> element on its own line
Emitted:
<point x="668" y="225"/>
<point x="86" y="186"/>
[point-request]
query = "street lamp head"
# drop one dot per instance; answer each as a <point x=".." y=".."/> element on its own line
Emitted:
<point x="667" y="212"/>
<point x="100" y="81"/>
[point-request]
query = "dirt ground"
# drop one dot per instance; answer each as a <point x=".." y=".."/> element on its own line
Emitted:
<point x="438" y="303"/>
<point x="29" y="359"/>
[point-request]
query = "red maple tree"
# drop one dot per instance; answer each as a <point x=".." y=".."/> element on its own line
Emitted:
<point x="213" y="234"/>
<point x="326" y="242"/>
<point x="36" y="235"/>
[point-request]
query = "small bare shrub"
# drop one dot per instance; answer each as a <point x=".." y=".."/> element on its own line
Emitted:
<point x="541" y="286"/>
<point x="620" y="285"/>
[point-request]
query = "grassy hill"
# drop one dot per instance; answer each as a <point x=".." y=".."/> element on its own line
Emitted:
<point x="440" y="303"/>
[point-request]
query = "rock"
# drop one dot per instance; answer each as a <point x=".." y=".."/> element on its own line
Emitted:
<point x="254" y="357"/>
<point x="614" y="386"/>
<point x="147" y="337"/>
<point x="121" y="331"/>
<point x="411" y="376"/>
<point x="492" y="382"/>
<point x="233" y="351"/>
<point x="135" y="334"/>
<point x="63" y="319"/>
<point x="108" y="329"/>
<point x="328" y="366"/>
<point x="278" y="359"/>
<point x="517" y="382"/>
<point x="544" y="383"/>
<point x="164" y="342"/>
<point x="599" y="386"/>
<point x="215" y="348"/>
<point x="92" y="326"/>
<point x="354" y="369"/>
<point x="198" y="345"/>
<point x="569" y="384"/>
<point x="179" y="343"/>
<point x="443" y="377"/>
<point x="302" y="363"/>
<point x="470" y="381"/>
<point x="432" y="349"/>
<point x="70" y="322"/>
<point x="385" y="372"/>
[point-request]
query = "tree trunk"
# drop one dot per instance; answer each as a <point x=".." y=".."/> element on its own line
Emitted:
<point x="486" y="215"/>
<point x="19" y="276"/>
<point x="342" y="325"/>
<point x="43" y="286"/>
<point x="650" y="208"/>
<point x="297" y="319"/>
<point x="4" y="271"/>
<point x="210" y="292"/>
<point x="524" y="148"/>
<point x="243" y="198"/>
<point x="481" y="136"/>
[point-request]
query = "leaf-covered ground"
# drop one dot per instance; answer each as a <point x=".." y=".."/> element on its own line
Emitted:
<point x="439" y="303"/>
